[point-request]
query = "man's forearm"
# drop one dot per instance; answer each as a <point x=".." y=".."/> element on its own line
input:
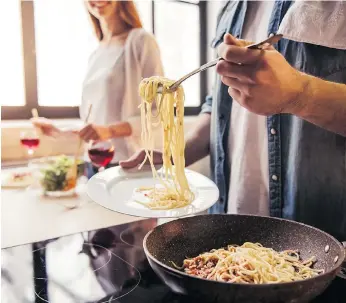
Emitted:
<point x="197" y="142"/>
<point x="323" y="103"/>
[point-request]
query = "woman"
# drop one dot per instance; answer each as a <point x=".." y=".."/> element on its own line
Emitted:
<point x="126" y="54"/>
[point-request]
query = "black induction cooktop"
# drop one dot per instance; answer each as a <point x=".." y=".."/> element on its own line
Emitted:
<point x="105" y="265"/>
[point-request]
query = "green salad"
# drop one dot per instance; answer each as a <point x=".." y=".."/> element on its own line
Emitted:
<point x="58" y="176"/>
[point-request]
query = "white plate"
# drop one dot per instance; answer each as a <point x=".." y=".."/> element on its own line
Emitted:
<point x="114" y="189"/>
<point x="7" y="181"/>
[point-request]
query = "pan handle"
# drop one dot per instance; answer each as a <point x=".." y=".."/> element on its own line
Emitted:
<point x="342" y="273"/>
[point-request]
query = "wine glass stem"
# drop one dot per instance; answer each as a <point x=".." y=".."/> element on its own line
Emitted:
<point x="30" y="155"/>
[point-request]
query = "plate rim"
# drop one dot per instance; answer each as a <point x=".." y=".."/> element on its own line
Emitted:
<point x="132" y="171"/>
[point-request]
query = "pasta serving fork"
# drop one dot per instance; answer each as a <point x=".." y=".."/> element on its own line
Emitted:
<point x="269" y="41"/>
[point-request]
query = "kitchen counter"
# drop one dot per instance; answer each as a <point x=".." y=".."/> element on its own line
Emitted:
<point x="27" y="216"/>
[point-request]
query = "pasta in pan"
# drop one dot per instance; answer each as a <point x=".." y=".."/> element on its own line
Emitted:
<point x="250" y="263"/>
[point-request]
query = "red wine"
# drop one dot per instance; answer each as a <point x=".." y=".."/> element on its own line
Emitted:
<point x="101" y="156"/>
<point x="30" y="143"/>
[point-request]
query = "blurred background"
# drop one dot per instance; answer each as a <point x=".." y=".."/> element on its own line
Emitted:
<point x="48" y="43"/>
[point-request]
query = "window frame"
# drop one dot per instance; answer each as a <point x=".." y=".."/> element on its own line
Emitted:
<point x="202" y="7"/>
<point x="30" y="68"/>
<point x="30" y="76"/>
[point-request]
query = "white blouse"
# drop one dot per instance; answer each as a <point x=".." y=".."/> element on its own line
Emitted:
<point x="111" y="84"/>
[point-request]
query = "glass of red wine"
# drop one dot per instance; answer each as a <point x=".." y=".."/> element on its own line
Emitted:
<point x="30" y="140"/>
<point x="101" y="153"/>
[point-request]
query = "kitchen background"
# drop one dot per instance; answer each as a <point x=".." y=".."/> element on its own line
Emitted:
<point x="51" y="41"/>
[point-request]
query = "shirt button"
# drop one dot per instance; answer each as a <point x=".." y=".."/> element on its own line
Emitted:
<point x="220" y="158"/>
<point x="273" y="131"/>
<point x="275" y="177"/>
<point x="271" y="35"/>
<point x="221" y="117"/>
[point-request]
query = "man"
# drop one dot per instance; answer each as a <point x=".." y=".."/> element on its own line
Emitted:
<point x="278" y="136"/>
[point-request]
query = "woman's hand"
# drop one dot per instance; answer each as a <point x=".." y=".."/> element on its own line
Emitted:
<point x="101" y="132"/>
<point x="137" y="159"/>
<point x="261" y="81"/>
<point x="95" y="132"/>
<point x="46" y="126"/>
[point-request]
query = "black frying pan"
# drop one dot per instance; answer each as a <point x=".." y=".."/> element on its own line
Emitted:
<point x="191" y="236"/>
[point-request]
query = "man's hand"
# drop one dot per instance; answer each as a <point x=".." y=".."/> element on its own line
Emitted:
<point x="262" y="81"/>
<point x="95" y="132"/>
<point x="136" y="159"/>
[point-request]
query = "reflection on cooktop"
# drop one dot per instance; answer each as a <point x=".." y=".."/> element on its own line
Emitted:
<point x="96" y="266"/>
<point x="106" y="265"/>
<point x="91" y="260"/>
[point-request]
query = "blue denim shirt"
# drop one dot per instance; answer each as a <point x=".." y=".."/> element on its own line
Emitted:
<point x="307" y="164"/>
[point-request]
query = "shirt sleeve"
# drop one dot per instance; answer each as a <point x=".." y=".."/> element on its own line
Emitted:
<point x="148" y="54"/>
<point x="149" y="58"/>
<point x="206" y="106"/>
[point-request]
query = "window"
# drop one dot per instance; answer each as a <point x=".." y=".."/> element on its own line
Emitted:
<point x="64" y="41"/>
<point x="56" y="43"/>
<point x="12" y="69"/>
<point x="180" y="52"/>
<point x="180" y="29"/>
<point x="145" y="12"/>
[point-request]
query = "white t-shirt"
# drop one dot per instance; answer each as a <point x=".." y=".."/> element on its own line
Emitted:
<point x="111" y="84"/>
<point x="104" y="88"/>
<point x="248" y="139"/>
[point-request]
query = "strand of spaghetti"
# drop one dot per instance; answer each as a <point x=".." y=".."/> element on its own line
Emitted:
<point x="176" y="191"/>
